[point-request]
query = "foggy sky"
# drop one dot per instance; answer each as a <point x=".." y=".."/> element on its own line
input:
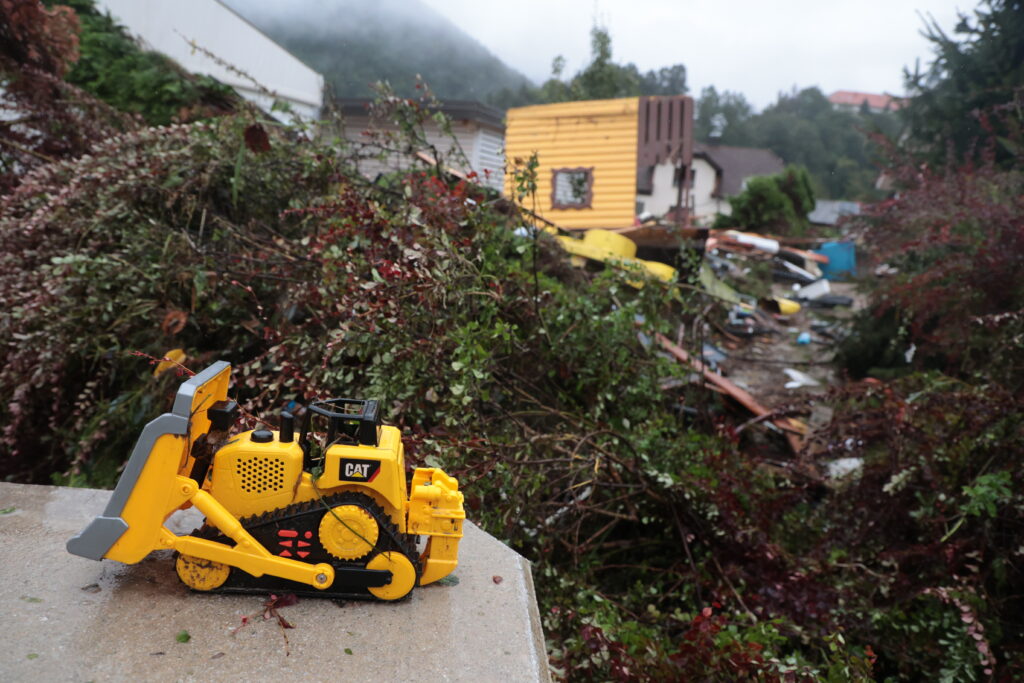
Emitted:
<point x="754" y="47"/>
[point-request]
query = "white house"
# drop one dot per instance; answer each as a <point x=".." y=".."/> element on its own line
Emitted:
<point x="478" y="129"/>
<point x="721" y="171"/>
<point x="174" y="27"/>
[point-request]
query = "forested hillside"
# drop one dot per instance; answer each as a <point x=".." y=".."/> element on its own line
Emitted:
<point x="354" y="44"/>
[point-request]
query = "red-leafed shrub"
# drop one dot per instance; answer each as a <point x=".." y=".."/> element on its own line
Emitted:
<point x="957" y="241"/>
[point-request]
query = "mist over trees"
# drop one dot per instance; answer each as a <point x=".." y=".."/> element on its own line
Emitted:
<point x="355" y="44"/>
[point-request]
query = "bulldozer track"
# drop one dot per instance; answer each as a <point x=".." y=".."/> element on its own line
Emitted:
<point x="303" y="520"/>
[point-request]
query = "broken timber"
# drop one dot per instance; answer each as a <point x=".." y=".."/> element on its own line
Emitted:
<point x="794" y="430"/>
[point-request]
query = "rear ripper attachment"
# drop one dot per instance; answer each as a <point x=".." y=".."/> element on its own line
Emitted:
<point x="351" y="530"/>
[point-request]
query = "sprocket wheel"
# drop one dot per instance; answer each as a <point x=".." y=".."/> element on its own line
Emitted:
<point x="348" y="532"/>
<point x="199" y="574"/>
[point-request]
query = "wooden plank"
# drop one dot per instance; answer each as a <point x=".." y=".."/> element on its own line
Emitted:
<point x="795" y="429"/>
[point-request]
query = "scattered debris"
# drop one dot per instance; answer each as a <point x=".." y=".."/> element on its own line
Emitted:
<point x="270" y="607"/>
<point x="713" y="356"/>
<point x="793" y="429"/>
<point x="7" y="511"/>
<point x="497" y="579"/>
<point x="183" y="636"/>
<point x="908" y="355"/>
<point x="799" y="379"/>
<point x="841" y="260"/>
<point x="841" y="467"/>
<point x="92" y="588"/>
<point x="217" y="656"/>
<point x="803" y="338"/>
<point x="814" y="290"/>
<point x="790" y="272"/>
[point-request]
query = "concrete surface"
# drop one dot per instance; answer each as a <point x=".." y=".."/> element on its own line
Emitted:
<point x="66" y="618"/>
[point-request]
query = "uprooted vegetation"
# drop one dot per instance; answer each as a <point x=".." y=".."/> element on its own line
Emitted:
<point x="660" y="548"/>
<point x="664" y="546"/>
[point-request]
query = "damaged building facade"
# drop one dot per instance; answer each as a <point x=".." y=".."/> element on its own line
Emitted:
<point x="604" y="162"/>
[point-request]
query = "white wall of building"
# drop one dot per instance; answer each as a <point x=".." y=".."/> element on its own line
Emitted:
<point x="170" y="26"/>
<point x="705" y="204"/>
<point x="664" y="192"/>
<point x="482" y="146"/>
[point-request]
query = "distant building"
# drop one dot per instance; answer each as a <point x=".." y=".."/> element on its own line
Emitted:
<point x="848" y="100"/>
<point x="170" y="26"/>
<point x="604" y="162"/>
<point x="478" y="129"/>
<point x="829" y="211"/>
<point x="722" y="171"/>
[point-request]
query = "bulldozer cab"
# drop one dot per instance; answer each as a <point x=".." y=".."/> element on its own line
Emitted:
<point x="338" y="421"/>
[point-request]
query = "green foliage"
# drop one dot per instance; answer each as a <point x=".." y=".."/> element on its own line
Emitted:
<point x="721" y="116"/>
<point x="922" y="542"/>
<point x="804" y="129"/>
<point x="115" y="69"/>
<point x="971" y="94"/>
<point x="986" y="491"/>
<point x="100" y="250"/>
<point x="778" y="204"/>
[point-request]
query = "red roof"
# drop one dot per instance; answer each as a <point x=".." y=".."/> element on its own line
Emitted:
<point x="854" y="99"/>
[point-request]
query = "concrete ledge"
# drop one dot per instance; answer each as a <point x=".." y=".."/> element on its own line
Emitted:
<point x="71" y="619"/>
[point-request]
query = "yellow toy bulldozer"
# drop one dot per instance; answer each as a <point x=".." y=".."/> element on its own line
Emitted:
<point x="329" y="514"/>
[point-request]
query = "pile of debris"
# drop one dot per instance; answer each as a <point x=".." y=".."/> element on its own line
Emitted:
<point x="781" y="305"/>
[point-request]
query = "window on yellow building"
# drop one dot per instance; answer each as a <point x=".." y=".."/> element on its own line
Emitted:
<point x="572" y="188"/>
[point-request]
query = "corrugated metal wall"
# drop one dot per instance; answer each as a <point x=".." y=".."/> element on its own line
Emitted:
<point x="597" y="133"/>
<point x="489" y="159"/>
<point x="467" y="133"/>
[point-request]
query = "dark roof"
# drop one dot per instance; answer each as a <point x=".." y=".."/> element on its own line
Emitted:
<point x="455" y="109"/>
<point x="739" y="163"/>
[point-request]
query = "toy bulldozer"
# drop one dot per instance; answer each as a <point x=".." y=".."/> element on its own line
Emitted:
<point x="271" y="525"/>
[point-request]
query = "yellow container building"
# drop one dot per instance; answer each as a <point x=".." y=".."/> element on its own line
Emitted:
<point x="603" y="162"/>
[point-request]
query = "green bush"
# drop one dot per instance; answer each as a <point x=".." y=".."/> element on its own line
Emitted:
<point x="776" y="204"/>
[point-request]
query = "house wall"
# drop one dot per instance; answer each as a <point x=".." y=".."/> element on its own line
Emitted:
<point x="167" y="26"/>
<point x="489" y="157"/>
<point x="705" y="203"/>
<point x="481" y="145"/>
<point x="663" y="193"/>
<point x="601" y="134"/>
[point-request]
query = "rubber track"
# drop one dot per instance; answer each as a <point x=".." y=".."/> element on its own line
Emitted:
<point x="391" y="539"/>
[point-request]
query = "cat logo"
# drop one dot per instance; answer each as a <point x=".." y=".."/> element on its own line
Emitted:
<point x="350" y="469"/>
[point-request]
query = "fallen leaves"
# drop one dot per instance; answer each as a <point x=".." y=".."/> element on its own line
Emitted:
<point x="270" y="607"/>
<point x="174" y="322"/>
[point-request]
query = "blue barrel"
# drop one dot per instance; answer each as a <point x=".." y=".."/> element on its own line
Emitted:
<point x="842" y="260"/>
